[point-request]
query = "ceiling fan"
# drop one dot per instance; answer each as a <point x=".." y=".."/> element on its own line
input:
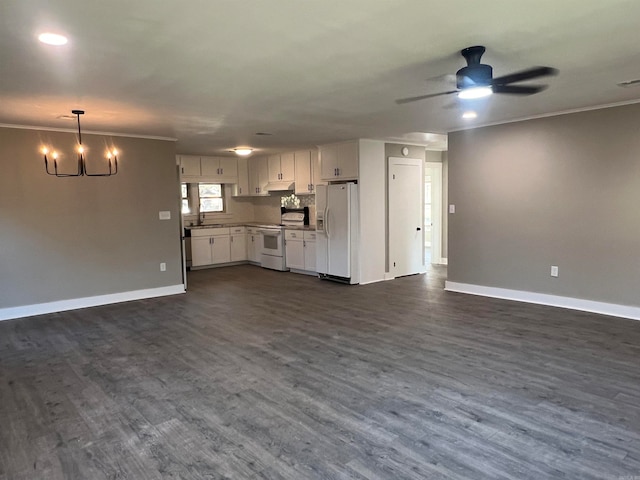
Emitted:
<point x="476" y="79"/>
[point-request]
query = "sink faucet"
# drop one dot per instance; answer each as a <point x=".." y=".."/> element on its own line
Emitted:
<point x="201" y="218"/>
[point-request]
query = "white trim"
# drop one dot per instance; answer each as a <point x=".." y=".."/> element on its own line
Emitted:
<point x="387" y="277"/>
<point x="443" y="261"/>
<point x="612" y="309"/>
<point x="88" y="132"/>
<point x="75" y="303"/>
<point x="551" y="114"/>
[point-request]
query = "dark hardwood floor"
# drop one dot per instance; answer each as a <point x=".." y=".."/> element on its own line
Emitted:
<point x="261" y="374"/>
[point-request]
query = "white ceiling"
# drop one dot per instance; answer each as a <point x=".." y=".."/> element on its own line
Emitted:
<point x="212" y="73"/>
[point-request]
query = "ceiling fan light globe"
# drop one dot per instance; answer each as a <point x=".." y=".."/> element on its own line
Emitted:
<point x="475" y="92"/>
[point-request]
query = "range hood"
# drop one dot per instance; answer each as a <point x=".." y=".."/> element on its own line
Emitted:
<point x="280" y="186"/>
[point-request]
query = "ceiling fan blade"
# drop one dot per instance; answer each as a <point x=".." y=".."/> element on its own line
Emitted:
<point x="519" y="89"/>
<point x="449" y="78"/>
<point x="422" y="97"/>
<point x="523" y="75"/>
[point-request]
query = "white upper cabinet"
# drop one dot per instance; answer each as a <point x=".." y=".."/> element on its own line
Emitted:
<point x="287" y="167"/>
<point x="339" y="161"/>
<point x="219" y="169"/>
<point x="258" y="175"/>
<point x="303" y="177"/>
<point x="209" y="169"/>
<point x="281" y="167"/>
<point x="242" y="188"/>
<point x="307" y="174"/>
<point x="189" y="166"/>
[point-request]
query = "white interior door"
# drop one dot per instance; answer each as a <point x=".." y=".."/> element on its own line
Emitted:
<point x="406" y="216"/>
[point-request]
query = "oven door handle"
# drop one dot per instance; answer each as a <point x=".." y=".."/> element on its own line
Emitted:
<point x="270" y="233"/>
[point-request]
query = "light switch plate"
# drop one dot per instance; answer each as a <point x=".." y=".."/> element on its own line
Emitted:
<point x="452" y="209"/>
<point x="165" y="215"/>
<point x="554" y="270"/>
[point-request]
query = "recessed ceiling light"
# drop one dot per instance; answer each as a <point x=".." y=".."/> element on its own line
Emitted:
<point x="52" y="39"/>
<point x="469" y="115"/>
<point x="243" y="152"/>
<point x="475" y="92"/>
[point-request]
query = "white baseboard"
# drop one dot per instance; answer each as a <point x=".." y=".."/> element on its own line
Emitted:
<point x="603" y="308"/>
<point x="75" y="303"/>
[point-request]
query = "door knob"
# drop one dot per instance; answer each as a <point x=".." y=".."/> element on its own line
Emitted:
<point x="418" y="229"/>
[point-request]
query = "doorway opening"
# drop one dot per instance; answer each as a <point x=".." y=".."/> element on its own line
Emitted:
<point x="433" y="213"/>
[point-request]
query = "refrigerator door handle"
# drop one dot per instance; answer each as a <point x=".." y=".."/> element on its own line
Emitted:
<point x="326" y="222"/>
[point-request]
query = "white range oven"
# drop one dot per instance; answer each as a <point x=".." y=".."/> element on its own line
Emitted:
<point x="273" y="237"/>
<point x="272" y="248"/>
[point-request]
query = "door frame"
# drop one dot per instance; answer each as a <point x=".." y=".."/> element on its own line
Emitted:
<point x="183" y="247"/>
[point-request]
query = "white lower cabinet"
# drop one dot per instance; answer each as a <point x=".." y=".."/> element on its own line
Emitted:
<point x="310" y="251"/>
<point x="210" y="246"/>
<point x="201" y="253"/>
<point x="300" y="250"/>
<point x="220" y="248"/>
<point x="254" y="245"/>
<point x="238" y="239"/>
<point x="294" y="249"/>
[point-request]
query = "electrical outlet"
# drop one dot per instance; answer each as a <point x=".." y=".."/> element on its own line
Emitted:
<point x="452" y="208"/>
<point x="164" y="215"/>
<point x="163" y="267"/>
<point x="554" y="270"/>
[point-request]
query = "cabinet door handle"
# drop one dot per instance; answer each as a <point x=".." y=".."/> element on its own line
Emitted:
<point x="222" y="171"/>
<point x="304" y="243"/>
<point x="232" y="239"/>
<point x="182" y="169"/>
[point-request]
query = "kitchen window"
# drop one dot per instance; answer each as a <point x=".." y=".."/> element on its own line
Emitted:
<point x="186" y="209"/>
<point x="211" y="196"/>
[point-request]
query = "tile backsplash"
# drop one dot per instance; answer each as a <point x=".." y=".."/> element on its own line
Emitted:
<point x="254" y="209"/>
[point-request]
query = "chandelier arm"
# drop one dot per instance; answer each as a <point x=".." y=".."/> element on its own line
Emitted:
<point x="112" y="171"/>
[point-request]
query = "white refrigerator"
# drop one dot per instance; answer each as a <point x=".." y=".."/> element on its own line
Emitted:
<point x="337" y="234"/>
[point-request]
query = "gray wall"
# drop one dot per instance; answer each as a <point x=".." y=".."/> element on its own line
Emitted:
<point x="563" y="191"/>
<point x="67" y="238"/>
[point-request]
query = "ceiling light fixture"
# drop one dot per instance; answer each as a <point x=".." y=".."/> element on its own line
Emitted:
<point x="243" y="151"/>
<point x="469" y="115"/>
<point x="82" y="162"/>
<point x="475" y="92"/>
<point x="54" y="39"/>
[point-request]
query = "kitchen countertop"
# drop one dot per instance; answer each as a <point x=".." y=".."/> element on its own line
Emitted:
<point x="310" y="228"/>
<point x="251" y="224"/>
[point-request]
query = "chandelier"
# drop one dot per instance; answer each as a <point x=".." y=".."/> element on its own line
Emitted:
<point x="82" y="162"/>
